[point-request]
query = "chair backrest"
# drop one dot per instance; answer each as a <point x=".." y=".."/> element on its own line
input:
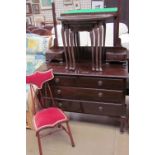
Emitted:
<point x="41" y="31"/>
<point x="38" y="79"/>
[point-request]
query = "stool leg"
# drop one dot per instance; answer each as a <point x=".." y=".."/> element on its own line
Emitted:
<point x="70" y="134"/>
<point x="39" y="143"/>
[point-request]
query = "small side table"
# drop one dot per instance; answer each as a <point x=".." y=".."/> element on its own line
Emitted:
<point x="94" y="23"/>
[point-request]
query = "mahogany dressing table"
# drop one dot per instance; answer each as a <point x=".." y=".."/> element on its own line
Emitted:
<point x="86" y="85"/>
<point x="90" y="92"/>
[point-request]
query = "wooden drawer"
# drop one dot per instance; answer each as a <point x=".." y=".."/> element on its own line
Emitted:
<point x="64" y="81"/>
<point x="68" y="105"/>
<point x="76" y="93"/>
<point x="102" y="83"/>
<point x="104" y="109"/>
<point x="89" y="82"/>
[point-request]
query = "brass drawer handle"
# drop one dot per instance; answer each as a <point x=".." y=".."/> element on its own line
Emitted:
<point x="57" y="80"/>
<point x="100" y="108"/>
<point x="58" y="91"/>
<point x="100" y="94"/>
<point x="100" y="83"/>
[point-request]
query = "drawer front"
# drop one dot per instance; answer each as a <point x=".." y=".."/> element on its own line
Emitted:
<point x="64" y="81"/>
<point x="68" y="105"/>
<point x="104" y="109"/>
<point x="89" y="82"/>
<point x="76" y="93"/>
<point x="102" y="83"/>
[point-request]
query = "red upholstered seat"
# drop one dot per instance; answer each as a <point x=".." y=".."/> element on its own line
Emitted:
<point x="49" y="118"/>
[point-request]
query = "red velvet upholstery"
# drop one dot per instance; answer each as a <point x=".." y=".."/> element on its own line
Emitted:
<point x="39" y="78"/>
<point x="49" y="118"/>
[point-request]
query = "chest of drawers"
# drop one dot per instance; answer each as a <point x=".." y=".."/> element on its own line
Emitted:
<point x="88" y="92"/>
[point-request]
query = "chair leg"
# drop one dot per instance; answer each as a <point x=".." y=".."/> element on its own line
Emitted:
<point x="39" y="143"/>
<point x="70" y="134"/>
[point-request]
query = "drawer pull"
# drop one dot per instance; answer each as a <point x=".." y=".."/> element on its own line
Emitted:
<point x="100" y="83"/>
<point x="59" y="92"/>
<point x="100" y="108"/>
<point x="100" y="94"/>
<point x="60" y="104"/>
<point x="57" y="80"/>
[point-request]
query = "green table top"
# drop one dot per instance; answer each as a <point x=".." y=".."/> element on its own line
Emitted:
<point x="98" y="10"/>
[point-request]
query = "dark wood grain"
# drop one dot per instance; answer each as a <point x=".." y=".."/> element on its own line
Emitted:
<point x="90" y="92"/>
<point x="89" y="82"/>
<point x="93" y="50"/>
<point x="84" y="69"/>
<point x="65" y="46"/>
<point x="115" y="96"/>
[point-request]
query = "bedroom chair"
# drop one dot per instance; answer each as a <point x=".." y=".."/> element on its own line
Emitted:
<point x="49" y="117"/>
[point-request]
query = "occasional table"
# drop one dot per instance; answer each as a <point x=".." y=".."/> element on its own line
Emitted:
<point x="92" y="21"/>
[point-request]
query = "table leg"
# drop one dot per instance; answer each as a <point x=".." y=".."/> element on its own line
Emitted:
<point x="76" y="45"/>
<point x="78" y="40"/>
<point x="72" y="50"/>
<point x="100" y="46"/>
<point x="116" y="31"/>
<point x="96" y="49"/>
<point x="93" y="49"/>
<point x="68" y="48"/>
<point x="104" y="37"/>
<point x="123" y="121"/>
<point x="65" y="48"/>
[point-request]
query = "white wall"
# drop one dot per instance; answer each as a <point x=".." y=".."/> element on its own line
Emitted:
<point x="60" y="8"/>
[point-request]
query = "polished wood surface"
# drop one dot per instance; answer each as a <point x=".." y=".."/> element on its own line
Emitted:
<point x="90" y="92"/>
<point x="90" y="80"/>
<point x="85" y="22"/>
<point x="84" y="69"/>
<point x="55" y="25"/>
<point x="94" y="23"/>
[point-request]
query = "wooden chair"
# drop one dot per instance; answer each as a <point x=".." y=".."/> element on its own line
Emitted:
<point x="51" y="117"/>
<point x="41" y="31"/>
